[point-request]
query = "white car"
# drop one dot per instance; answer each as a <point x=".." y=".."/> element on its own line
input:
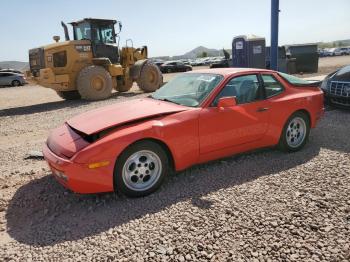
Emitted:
<point x="12" y="79"/>
<point x="345" y="50"/>
<point x="335" y="51"/>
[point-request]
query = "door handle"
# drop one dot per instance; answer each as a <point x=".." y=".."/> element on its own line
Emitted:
<point x="262" y="109"/>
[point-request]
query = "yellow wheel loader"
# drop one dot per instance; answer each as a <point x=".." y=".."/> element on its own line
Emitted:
<point x="92" y="65"/>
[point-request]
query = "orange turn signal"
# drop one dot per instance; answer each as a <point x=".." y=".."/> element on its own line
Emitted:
<point x="98" y="164"/>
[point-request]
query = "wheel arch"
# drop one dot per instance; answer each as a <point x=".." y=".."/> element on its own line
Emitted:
<point x="302" y="110"/>
<point x="306" y="112"/>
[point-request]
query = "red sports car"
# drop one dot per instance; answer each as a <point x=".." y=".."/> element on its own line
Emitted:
<point x="194" y="118"/>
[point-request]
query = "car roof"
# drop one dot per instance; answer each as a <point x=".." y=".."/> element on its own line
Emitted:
<point x="229" y="71"/>
<point x="11" y="73"/>
<point x="93" y="20"/>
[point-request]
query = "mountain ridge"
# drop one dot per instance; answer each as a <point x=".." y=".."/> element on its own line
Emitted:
<point x="194" y="53"/>
<point x="17" y="65"/>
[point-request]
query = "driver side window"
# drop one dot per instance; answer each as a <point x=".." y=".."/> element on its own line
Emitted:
<point x="244" y="88"/>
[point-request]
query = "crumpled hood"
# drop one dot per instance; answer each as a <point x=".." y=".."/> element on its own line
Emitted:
<point x="122" y="113"/>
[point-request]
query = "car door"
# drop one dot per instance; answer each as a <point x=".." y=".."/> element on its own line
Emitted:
<point x="244" y="123"/>
<point x="4" y="79"/>
<point x="178" y="66"/>
<point x="10" y="78"/>
<point x="273" y="90"/>
<point x="173" y="67"/>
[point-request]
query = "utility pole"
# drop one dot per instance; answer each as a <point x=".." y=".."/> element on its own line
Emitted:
<point x="274" y="35"/>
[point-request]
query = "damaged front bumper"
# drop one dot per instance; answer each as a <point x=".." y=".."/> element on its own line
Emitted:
<point x="78" y="177"/>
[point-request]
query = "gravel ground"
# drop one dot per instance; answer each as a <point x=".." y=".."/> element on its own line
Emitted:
<point x="260" y="206"/>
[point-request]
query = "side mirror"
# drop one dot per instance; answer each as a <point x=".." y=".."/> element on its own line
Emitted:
<point x="228" y="101"/>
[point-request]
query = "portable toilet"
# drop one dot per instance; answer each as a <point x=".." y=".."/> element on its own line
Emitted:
<point x="248" y="51"/>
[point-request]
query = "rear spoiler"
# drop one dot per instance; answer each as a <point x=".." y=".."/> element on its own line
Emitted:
<point x="312" y="83"/>
<point x="315" y="83"/>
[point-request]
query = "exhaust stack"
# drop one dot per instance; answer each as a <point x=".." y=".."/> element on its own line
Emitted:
<point x="66" y="35"/>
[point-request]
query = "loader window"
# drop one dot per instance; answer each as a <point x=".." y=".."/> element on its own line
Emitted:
<point x="82" y="31"/>
<point x="60" y="59"/>
<point x="105" y="34"/>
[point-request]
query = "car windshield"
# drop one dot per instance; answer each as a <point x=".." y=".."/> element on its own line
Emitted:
<point x="344" y="70"/>
<point x="188" y="89"/>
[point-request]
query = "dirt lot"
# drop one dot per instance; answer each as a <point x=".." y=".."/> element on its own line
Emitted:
<point x="261" y="206"/>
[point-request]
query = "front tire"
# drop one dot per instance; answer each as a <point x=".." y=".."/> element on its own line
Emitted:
<point x="69" y="95"/>
<point x="16" y="83"/>
<point x="94" y="83"/>
<point x="150" y="78"/>
<point x="141" y="169"/>
<point x="295" y="132"/>
<point x="124" y="85"/>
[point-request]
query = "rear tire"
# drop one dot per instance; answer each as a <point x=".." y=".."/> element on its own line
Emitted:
<point x="16" y="83"/>
<point x="69" y="95"/>
<point x="295" y="132"/>
<point x="141" y="169"/>
<point x="94" y="83"/>
<point x="150" y="78"/>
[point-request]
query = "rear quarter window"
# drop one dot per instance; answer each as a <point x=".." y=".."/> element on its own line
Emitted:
<point x="272" y="86"/>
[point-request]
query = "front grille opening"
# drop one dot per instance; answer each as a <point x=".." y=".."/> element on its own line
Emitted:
<point x="339" y="88"/>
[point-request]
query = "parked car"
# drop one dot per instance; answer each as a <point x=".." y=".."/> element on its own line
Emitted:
<point x="199" y="116"/>
<point x="174" y="66"/>
<point x="345" y="51"/>
<point x="197" y="62"/>
<point x="323" y="52"/>
<point x="158" y="63"/>
<point x="336" y="87"/>
<point x="335" y="51"/>
<point x="11" y="79"/>
<point x="222" y="63"/>
<point x="326" y="52"/>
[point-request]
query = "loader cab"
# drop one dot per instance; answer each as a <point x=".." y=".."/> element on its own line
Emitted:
<point x="102" y="35"/>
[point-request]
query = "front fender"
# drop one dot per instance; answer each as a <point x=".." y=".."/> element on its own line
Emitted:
<point x="136" y="69"/>
<point x="179" y="132"/>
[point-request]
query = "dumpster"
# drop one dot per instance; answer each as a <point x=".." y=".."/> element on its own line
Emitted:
<point x="248" y="51"/>
<point x="306" y="57"/>
<point x="282" y="59"/>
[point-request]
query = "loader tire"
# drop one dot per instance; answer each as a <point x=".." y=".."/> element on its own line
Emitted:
<point x="94" y="83"/>
<point x="124" y="85"/>
<point x="150" y="78"/>
<point x="69" y="95"/>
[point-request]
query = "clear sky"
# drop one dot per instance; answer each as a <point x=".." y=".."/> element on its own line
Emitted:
<point x="172" y="27"/>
